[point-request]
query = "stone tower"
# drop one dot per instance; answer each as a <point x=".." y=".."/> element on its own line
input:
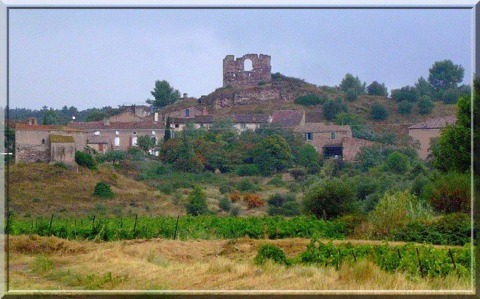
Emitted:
<point x="236" y="72"/>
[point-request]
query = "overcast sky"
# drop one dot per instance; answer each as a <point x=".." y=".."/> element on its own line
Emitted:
<point x="95" y="58"/>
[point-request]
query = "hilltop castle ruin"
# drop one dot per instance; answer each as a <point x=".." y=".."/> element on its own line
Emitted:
<point x="247" y="71"/>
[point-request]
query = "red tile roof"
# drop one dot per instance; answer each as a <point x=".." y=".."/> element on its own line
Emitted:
<point x="100" y="125"/>
<point x="26" y="127"/>
<point x="287" y="118"/>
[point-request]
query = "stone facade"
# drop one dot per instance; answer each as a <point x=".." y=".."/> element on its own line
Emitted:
<point x="33" y="143"/>
<point x="189" y="112"/>
<point x="237" y="74"/>
<point x="125" y="116"/>
<point x="428" y="130"/>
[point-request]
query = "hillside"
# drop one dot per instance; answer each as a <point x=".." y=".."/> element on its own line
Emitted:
<point x="39" y="189"/>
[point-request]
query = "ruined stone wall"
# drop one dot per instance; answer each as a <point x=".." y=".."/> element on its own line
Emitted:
<point x="424" y="136"/>
<point x="235" y="74"/>
<point x="247" y="97"/>
<point x="352" y="147"/>
<point x="62" y="152"/>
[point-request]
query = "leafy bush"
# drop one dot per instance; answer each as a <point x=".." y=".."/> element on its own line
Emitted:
<point x="351" y="95"/>
<point x="397" y="162"/>
<point x="227" y="188"/>
<point x="378" y="112"/>
<point x="225" y="204"/>
<point x="395" y="211"/>
<point x="246" y="185"/>
<point x="405" y="107"/>
<point x="197" y="202"/>
<point x="253" y="200"/>
<point x="290" y="208"/>
<point x="332" y="108"/>
<point x="234" y="197"/>
<point x="277" y="181"/>
<point x="103" y="190"/>
<point x="406" y="93"/>
<point x="310" y="100"/>
<point x="271" y="252"/>
<point x="248" y="170"/>
<point x="166" y="188"/>
<point x="85" y="160"/>
<point x="279" y="199"/>
<point x="377" y="89"/>
<point x="449" y="193"/>
<point x="329" y="199"/>
<point x="451" y="95"/>
<point x="297" y="174"/>
<point x="425" y="105"/>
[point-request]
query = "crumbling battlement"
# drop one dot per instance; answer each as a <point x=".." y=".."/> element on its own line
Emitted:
<point x="237" y="72"/>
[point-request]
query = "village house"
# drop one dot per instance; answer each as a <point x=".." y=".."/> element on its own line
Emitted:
<point x="107" y="135"/>
<point x="47" y="143"/>
<point x="424" y="132"/>
<point x="241" y="122"/>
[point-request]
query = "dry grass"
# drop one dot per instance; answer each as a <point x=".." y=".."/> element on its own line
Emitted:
<point x="38" y="189"/>
<point x="191" y="265"/>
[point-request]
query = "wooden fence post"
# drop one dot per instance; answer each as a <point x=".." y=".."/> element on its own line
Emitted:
<point x="176" y="227"/>
<point x="50" y="225"/>
<point x="135" y="225"/>
<point x="451" y="257"/>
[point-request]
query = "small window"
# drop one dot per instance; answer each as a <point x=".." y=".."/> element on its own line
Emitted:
<point x="332" y="135"/>
<point x="153" y="133"/>
<point x="134" y="140"/>
<point x="177" y="125"/>
<point x="187" y="112"/>
<point x="117" y="141"/>
<point x="309" y="136"/>
<point x="117" y="133"/>
<point x="43" y="141"/>
<point x="243" y="125"/>
<point x="97" y="133"/>
<point x="134" y="133"/>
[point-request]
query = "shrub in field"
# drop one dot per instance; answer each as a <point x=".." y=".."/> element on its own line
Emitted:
<point x="166" y="188"/>
<point x="248" y="170"/>
<point x="449" y="193"/>
<point x="279" y="199"/>
<point x="103" y="190"/>
<point x="378" y="112"/>
<point x="310" y="100"/>
<point x="234" y="197"/>
<point x="298" y="174"/>
<point x="246" y="185"/>
<point x="405" y="107"/>
<point x="85" y="160"/>
<point x="395" y="211"/>
<point x="235" y="210"/>
<point x="425" y="105"/>
<point x="397" y="162"/>
<point x="271" y="252"/>
<point x="225" y="204"/>
<point x="227" y="188"/>
<point x="197" y="202"/>
<point x="283" y="204"/>
<point x="253" y="200"/>
<point x="329" y="199"/>
<point x="277" y="181"/>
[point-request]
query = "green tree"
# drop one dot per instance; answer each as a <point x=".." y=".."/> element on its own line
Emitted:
<point x="145" y="142"/>
<point x="423" y="88"/>
<point x="96" y="115"/>
<point x="332" y="107"/>
<point x="115" y="156"/>
<point x="196" y="202"/>
<point x="168" y="132"/>
<point x="349" y="82"/>
<point x="308" y="157"/>
<point x="405" y="107"/>
<point x="329" y="199"/>
<point x="378" y="112"/>
<point x="452" y="151"/>
<point x="406" y="93"/>
<point x="272" y="154"/>
<point x="103" y="190"/>
<point x="50" y="117"/>
<point x="397" y="163"/>
<point x="377" y="89"/>
<point x="9" y="144"/>
<point x="164" y="94"/>
<point x="451" y="95"/>
<point x="444" y="75"/>
<point x="425" y="105"/>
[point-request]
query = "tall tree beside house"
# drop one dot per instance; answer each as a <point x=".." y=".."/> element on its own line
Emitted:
<point x="444" y="75"/>
<point x="50" y="117"/>
<point x="168" y="132"/>
<point x="452" y="151"/>
<point x="145" y="143"/>
<point x="164" y="94"/>
<point x="272" y="154"/>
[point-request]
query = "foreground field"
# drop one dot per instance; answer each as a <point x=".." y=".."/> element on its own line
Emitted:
<point x="158" y="264"/>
